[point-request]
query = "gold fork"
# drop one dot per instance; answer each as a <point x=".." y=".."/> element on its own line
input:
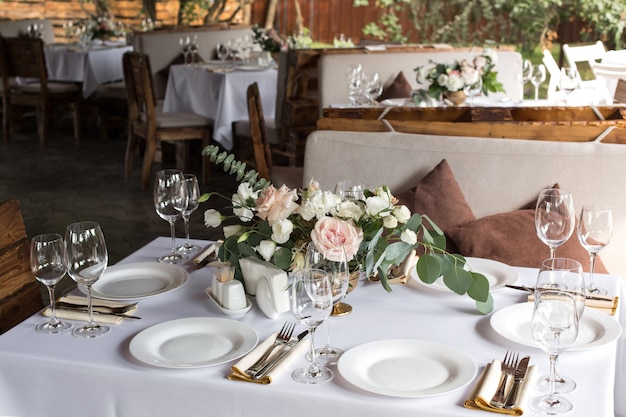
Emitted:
<point x="509" y="365"/>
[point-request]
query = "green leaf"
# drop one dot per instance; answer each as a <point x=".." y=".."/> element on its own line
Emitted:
<point x="282" y="258"/>
<point x="485" y="307"/>
<point x="458" y="280"/>
<point x="429" y="268"/>
<point x="245" y="249"/>
<point x="479" y="290"/>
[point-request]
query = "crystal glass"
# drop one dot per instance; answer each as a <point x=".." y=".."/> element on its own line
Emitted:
<point x="354" y="81"/>
<point x="48" y="266"/>
<point x="170" y="199"/>
<point x="193" y="193"/>
<point x="595" y="228"/>
<point x="554" y="327"/>
<point x="372" y="87"/>
<point x="569" y="81"/>
<point x="86" y="259"/>
<point x="336" y="266"/>
<point x="537" y="77"/>
<point x="524" y="75"/>
<point x="350" y="190"/>
<point x="554" y="218"/>
<point x="473" y="90"/>
<point x="311" y="302"/>
<point x="223" y="51"/>
<point x="567" y="275"/>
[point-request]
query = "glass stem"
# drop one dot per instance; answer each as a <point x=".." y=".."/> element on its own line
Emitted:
<point x="173" y="233"/>
<point x="53" y="314"/>
<point x="186" y="220"/>
<point x="89" y="306"/>
<point x="551" y="398"/>
<point x="313" y="369"/>
<point x="327" y="334"/>
<point x="592" y="268"/>
<point x="552" y="252"/>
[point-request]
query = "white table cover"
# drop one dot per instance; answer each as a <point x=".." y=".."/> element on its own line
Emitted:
<point x="97" y="65"/>
<point x="218" y="95"/>
<point x="614" y="57"/>
<point x="62" y="375"/>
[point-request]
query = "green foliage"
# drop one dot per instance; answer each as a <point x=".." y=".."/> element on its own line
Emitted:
<point x="607" y="17"/>
<point x="388" y="26"/>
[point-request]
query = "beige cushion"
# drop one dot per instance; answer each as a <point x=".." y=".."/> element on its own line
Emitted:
<point x="114" y="90"/>
<point x="181" y="119"/>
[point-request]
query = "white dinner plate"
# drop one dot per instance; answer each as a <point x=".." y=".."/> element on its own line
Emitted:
<point x="193" y="342"/>
<point x="252" y="67"/>
<point x="137" y="280"/>
<point x="406" y="368"/>
<point x="595" y="328"/>
<point x="497" y="273"/>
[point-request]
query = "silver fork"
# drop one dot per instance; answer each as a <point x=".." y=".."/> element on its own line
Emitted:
<point x="119" y="310"/>
<point x="509" y="365"/>
<point x="281" y="339"/>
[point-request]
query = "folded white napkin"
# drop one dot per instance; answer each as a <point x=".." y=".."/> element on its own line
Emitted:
<point x="69" y="314"/>
<point x="238" y="370"/>
<point x="486" y="387"/>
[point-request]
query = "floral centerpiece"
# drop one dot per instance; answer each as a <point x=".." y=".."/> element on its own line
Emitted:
<point x="447" y="78"/>
<point x="102" y="27"/>
<point x="276" y="225"/>
<point x="268" y="39"/>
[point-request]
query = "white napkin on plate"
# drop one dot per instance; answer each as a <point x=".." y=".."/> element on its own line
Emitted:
<point x="69" y="314"/>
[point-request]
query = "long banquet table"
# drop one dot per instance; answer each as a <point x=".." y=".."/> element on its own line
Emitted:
<point x="220" y="96"/>
<point x="62" y="375"/>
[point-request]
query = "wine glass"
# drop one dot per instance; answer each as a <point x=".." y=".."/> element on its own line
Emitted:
<point x="537" y="77"/>
<point x="86" y="259"/>
<point x="223" y="51"/>
<point x="472" y="90"/>
<point x="311" y="303"/>
<point x="524" y="75"/>
<point x="350" y="190"/>
<point x="373" y="87"/>
<point x="335" y="264"/>
<point x="567" y="275"/>
<point x="193" y="50"/>
<point x="236" y="51"/>
<point x="595" y="228"/>
<point x="554" y="327"/>
<point x="193" y="193"/>
<point x="48" y="265"/>
<point x="170" y="199"/>
<point x="354" y="80"/>
<point x="554" y="218"/>
<point x="569" y="81"/>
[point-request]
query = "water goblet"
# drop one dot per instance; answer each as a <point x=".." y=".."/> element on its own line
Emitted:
<point x="569" y="81"/>
<point x="373" y="87"/>
<point x="554" y="218"/>
<point x="223" y="51"/>
<point x="567" y="275"/>
<point x="86" y="260"/>
<point x="336" y="266"/>
<point x="311" y="303"/>
<point x="472" y="90"/>
<point x="170" y="199"/>
<point x="193" y="193"/>
<point x="350" y="190"/>
<point x="554" y="327"/>
<point x="524" y="75"/>
<point x="537" y="77"/>
<point x="354" y="80"/>
<point x="595" y="228"/>
<point x="48" y="266"/>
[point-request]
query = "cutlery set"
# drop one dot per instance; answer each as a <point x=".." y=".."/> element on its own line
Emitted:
<point x="511" y="368"/>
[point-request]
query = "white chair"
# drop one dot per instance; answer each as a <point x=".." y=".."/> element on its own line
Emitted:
<point x="584" y="53"/>
<point x="610" y="74"/>
<point x="555" y="74"/>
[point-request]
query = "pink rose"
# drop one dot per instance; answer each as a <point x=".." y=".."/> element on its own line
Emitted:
<point x="330" y="234"/>
<point x="276" y="204"/>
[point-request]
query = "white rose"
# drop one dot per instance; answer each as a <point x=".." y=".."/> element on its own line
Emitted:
<point x="455" y="82"/>
<point x="409" y="236"/>
<point x="349" y="210"/>
<point x="266" y="249"/>
<point x="244" y="213"/>
<point x="390" y="222"/>
<point x="377" y="206"/>
<point x="281" y="230"/>
<point x="402" y="213"/>
<point x="232" y="230"/>
<point x="212" y="218"/>
<point x="244" y="191"/>
<point x="318" y="204"/>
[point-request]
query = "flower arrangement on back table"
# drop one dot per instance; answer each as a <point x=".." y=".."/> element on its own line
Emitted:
<point x="102" y="27"/>
<point x="376" y="233"/>
<point x="445" y="78"/>
<point x="268" y="39"/>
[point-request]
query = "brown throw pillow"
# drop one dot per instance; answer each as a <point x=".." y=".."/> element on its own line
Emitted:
<point x="511" y="238"/>
<point x="439" y="196"/>
<point x="399" y="88"/>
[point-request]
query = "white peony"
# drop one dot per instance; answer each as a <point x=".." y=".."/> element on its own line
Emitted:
<point x="349" y="210"/>
<point x="409" y="236"/>
<point x="377" y="206"/>
<point x="212" y="218"/>
<point x="266" y="249"/>
<point x="281" y="231"/>
<point x="402" y="213"/>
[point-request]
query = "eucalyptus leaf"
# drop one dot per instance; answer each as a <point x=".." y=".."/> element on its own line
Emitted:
<point x="282" y="258"/>
<point x="245" y="249"/>
<point x="479" y="290"/>
<point x="429" y="268"/>
<point x="458" y="280"/>
<point x="485" y="307"/>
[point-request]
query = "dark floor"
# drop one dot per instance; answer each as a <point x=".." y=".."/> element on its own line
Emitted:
<point x="64" y="183"/>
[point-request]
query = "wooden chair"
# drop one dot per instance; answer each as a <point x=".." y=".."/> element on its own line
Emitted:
<point x="24" y="58"/>
<point x="145" y="122"/>
<point x="20" y="296"/>
<point x="291" y="176"/>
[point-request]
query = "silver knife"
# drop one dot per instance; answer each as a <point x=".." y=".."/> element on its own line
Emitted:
<point x="518" y="379"/>
<point x="267" y="368"/>
<point x="588" y="296"/>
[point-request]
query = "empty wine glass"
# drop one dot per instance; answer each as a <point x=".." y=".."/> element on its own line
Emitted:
<point x="373" y="87"/>
<point x="524" y="75"/>
<point x="86" y="259"/>
<point x="554" y="217"/>
<point x="472" y="90"/>
<point x="567" y="275"/>
<point x="170" y="199"/>
<point x="569" y="81"/>
<point x="595" y="228"/>
<point x="193" y="50"/>
<point x="350" y="190"/>
<point x="48" y="265"/>
<point x="537" y="77"/>
<point x="354" y="80"/>
<point x="223" y="51"/>
<point x="336" y="266"/>
<point x="193" y="193"/>
<point x="311" y="302"/>
<point x="554" y="327"/>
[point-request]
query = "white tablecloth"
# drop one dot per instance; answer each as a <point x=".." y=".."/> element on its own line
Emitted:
<point x="218" y="95"/>
<point x="614" y="57"/>
<point x="97" y="65"/>
<point x="62" y="375"/>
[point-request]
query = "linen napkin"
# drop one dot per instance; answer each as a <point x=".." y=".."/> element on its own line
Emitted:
<point x="486" y="387"/>
<point x="69" y="314"/>
<point x="605" y="303"/>
<point x="238" y="370"/>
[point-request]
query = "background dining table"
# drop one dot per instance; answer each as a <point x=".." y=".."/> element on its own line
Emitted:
<point x="62" y="375"/>
<point x="97" y="64"/>
<point x="219" y="95"/>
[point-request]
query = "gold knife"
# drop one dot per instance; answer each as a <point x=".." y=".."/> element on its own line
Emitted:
<point x="588" y="296"/>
